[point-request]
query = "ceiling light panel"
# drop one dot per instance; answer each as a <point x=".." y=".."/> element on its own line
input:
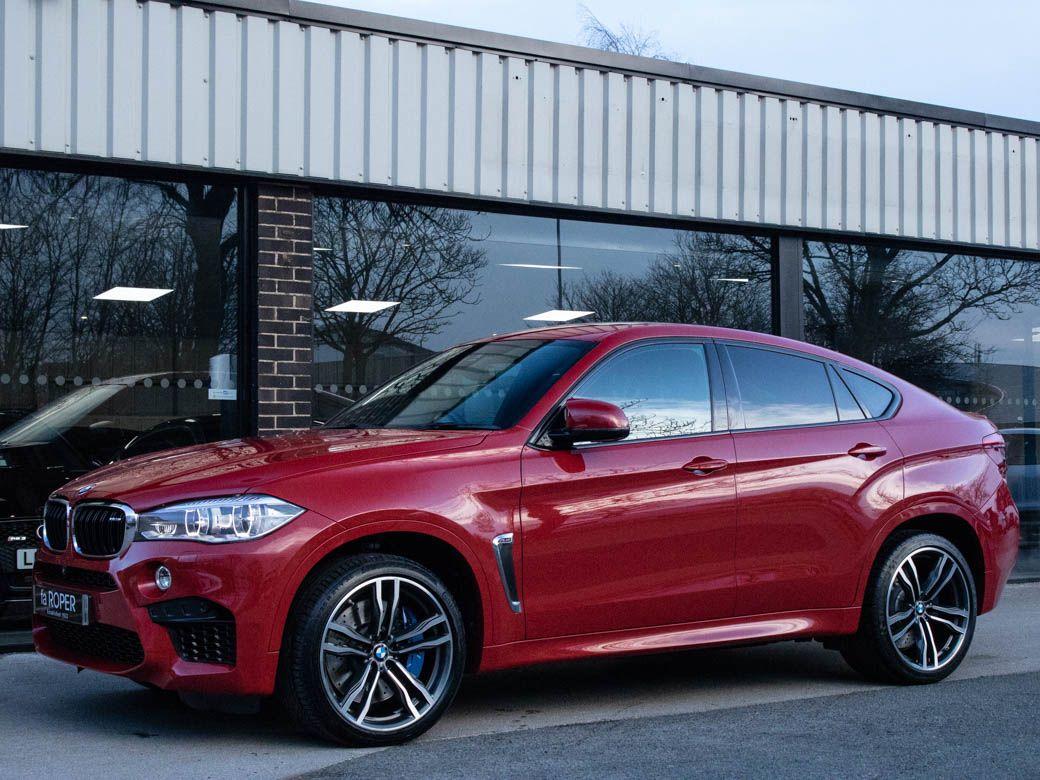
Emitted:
<point x="132" y="294"/>
<point x="558" y="315"/>
<point x="362" y="307"/>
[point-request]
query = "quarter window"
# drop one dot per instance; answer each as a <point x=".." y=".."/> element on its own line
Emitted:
<point x="778" y="389"/>
<point x="875" y="398"/>
<point x="662" y="388"/>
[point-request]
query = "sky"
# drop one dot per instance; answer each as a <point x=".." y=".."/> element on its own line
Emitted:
<point x="967" y="54"/>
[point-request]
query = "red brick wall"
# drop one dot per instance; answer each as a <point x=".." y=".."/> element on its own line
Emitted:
<point x="285" y="294"/>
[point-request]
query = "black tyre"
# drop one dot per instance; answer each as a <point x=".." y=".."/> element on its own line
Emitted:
<point x="374" y="653"/>
<point x="919" y="612"/>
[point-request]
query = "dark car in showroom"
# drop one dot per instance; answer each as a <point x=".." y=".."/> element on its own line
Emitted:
<point x="557" y="494"/>
<point x="90" y="426"/>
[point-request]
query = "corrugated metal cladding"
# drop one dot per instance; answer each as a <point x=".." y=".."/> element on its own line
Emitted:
<point x="151" y="82"/>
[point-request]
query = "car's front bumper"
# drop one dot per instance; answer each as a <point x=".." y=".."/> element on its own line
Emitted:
<point x="242" y="581"/>
<point x="16" y="535"/>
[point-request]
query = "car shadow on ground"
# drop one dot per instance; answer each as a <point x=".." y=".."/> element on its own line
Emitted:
<point x="561" y="692"/>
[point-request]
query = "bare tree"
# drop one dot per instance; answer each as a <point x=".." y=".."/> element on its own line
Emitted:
<point x="624" y="40"/>
<point x="707" y="279"/>
<point x="423" y="259"/>
<point x="910" y="312"/>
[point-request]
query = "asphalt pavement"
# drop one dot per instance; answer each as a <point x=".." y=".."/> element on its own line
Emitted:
<point x="785" y="709"/>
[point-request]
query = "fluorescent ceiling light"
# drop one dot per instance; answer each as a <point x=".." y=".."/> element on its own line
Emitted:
<point x="322" y="249"/>
<point x="13" y="227"/>
<point x="558" y="315"/>
<point x="539" y="265"/>
<point x="734" y="279"/>
<point x="363" y="307"/>
<point x="135" y="294"/>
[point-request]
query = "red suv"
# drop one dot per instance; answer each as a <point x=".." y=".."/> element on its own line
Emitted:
<point x="552" y="494"/>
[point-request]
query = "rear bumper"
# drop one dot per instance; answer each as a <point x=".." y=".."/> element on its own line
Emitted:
<point x="1000" y="539"/>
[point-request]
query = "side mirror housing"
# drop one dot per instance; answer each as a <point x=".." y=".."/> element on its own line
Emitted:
<point x="585" y="420"/>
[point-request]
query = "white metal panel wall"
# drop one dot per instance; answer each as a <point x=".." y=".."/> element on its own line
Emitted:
<point x="150" y="82"/>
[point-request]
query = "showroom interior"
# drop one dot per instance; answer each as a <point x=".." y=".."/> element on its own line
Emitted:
<point x="224" y="218"/>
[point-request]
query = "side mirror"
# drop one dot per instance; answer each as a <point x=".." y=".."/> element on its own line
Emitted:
<point x="585" y="420"/>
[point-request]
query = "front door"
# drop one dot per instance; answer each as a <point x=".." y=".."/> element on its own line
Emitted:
<point x="639" y="532"/>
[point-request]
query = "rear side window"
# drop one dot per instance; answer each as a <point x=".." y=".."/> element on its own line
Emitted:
<point x="778" y="389"/>
<point x="873" y="397"/>
<point x="662" y="388"/>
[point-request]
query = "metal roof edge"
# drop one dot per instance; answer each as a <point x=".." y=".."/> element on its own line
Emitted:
<point x="367" y="21"/>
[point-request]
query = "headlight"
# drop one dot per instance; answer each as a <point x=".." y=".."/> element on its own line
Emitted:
<point x="216" y="520"/>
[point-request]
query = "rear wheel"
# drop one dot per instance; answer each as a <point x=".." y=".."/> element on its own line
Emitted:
<point x="918" y="613"/>
<point x="376" y="654"/>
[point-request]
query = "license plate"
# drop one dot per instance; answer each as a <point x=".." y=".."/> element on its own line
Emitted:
<point x="25" y="558"/>
<point x="62" y="604"/>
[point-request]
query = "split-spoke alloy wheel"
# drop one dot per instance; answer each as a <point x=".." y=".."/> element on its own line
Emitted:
<point x="918" y="612"/>
<point x="928" y="608"/>
<point x="386" y="654"/>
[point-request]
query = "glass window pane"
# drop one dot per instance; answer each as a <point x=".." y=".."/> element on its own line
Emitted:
<point x="873" y="396"/>
<point x="962" y="326"/>
<point x="848" y="408"/>
<point x="663" y="389"/>
<point x="489" y="386"/>
<point x="396" y="283"/>
<point x="119" y="332"/>
<point x="778" y="389"/>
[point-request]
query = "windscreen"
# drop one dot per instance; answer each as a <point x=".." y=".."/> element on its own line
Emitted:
<point x="485" y="386"/>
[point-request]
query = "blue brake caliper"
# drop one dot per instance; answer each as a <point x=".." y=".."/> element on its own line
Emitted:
<point x="413" y="662"/>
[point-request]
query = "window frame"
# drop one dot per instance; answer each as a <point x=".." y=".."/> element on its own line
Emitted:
<point x="736" y="405"/>
<point x="716" y="394"/>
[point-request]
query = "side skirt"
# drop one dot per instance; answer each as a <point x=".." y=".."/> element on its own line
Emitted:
<point x="659" y="639"/>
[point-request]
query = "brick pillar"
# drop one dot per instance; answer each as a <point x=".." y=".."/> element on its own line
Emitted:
<point x="285" y="279"/>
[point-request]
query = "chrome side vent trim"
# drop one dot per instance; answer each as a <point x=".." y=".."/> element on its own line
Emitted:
<point x="503" y="545"/>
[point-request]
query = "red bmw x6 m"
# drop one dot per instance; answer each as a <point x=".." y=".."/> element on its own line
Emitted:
<point x="552" y="494"/>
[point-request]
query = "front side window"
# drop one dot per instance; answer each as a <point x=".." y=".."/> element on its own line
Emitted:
<point x="778" y="389"/>
<point x="662" y="388"/>
<point x="486" y="386"/>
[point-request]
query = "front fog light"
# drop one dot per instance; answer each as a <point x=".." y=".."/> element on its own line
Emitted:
<point x="163" y="578"/>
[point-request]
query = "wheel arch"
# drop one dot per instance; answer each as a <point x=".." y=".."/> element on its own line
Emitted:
<point x="440" y="551"/>
<point x="949" y="522"/>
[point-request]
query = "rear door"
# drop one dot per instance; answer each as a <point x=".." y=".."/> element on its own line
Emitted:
<point x="813" y="474"/>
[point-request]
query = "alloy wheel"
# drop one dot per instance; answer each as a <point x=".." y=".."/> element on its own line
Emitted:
<point x="386" y="654"/>
<point x="928" y="609"/>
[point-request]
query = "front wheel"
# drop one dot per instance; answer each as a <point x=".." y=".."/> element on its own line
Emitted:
<point x="375" y="654"/>
<point x="918" y="613"/>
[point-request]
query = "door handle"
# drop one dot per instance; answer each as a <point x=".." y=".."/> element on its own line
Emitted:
<point x="867" y="451"/>
<point x="703" y="465"/>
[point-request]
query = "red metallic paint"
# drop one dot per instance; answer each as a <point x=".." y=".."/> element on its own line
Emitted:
<point x="586" y="415"/>
<point x="621" y="548"/>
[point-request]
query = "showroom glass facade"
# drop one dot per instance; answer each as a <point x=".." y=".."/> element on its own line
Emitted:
<point x="439" y="276"/>
<point x="120" y="327"/>
<point x="965" y="327"/>
<point x="90" y="373"/>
